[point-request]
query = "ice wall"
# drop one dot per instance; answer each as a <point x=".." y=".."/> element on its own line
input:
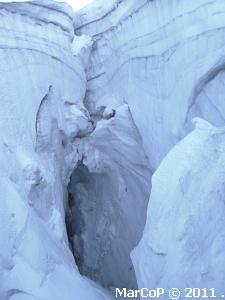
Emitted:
<point x="98" y="114"/>
<point x="183" y="241"/>
<point x="48" y="128"/>
<point x="164" y="58"/>
<point x="42" y="86"/>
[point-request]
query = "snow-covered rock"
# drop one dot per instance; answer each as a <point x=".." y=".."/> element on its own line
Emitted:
<point x="183" y="241"/>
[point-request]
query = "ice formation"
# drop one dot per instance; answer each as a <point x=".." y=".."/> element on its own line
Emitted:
<point x="94" y="104"/>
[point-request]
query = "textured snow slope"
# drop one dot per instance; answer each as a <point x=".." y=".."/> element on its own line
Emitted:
<point x="41" y="89"/>
<point x="183" y="241"/>
<point x="164" y="58"/>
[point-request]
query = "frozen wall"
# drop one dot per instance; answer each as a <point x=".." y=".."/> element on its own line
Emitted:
<point x="42" y="86"/>
<point x="47" y="129"/>
<point x="164" y="58"/>
<point x="183" y="241"/>
<point x="95" y="116"/>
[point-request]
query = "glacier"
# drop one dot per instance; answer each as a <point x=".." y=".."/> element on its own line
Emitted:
<point x="111" y="147"/>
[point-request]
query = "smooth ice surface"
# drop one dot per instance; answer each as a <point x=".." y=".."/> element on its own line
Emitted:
<point x="183" y="241"/>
